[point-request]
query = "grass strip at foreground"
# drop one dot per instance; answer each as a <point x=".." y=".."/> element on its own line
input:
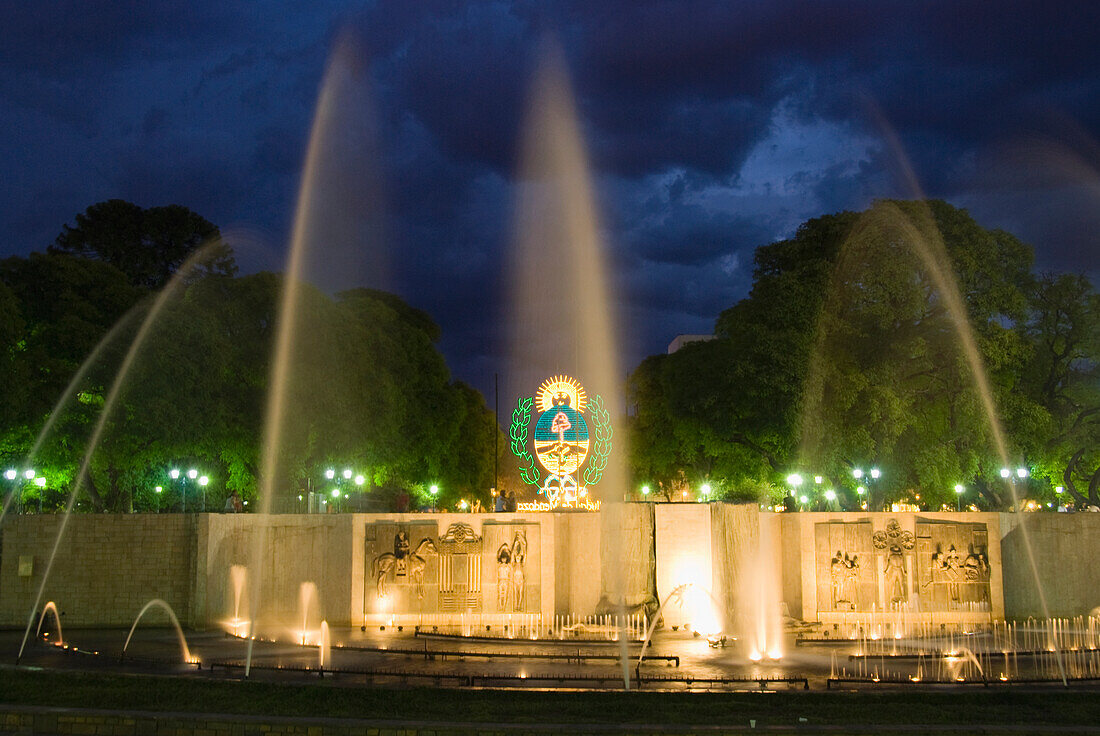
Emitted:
<point x="1053" y="707"/>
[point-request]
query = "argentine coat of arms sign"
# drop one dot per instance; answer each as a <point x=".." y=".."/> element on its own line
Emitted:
<point x="562" y="441"/>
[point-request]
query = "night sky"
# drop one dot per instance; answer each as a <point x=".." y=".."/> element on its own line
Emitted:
<point x="713" y="127"/>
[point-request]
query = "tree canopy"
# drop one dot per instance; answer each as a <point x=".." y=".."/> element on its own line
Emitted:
<point x="368" y="388"/>
<point x="851" y="351"/>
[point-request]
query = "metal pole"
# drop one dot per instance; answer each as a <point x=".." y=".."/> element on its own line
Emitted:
<point x="496" y="432"/>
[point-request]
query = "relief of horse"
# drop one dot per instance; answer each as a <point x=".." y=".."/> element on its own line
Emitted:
<point x="416" y="561"/>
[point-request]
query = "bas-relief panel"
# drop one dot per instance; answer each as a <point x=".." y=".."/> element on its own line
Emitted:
<point x="953" y="566"/>
<point x="511" y="561"/>
<point x="402" y="567"/>
<point x="845" y="570"/>
<point x="411" y="568"/>
<point x="945" y="565"/>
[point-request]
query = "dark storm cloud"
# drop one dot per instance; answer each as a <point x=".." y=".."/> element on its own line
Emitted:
<point x="713" y="127"/>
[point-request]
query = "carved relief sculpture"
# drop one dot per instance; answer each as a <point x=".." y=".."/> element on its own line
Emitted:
<point x="511" y="576"/>
<point x="895" y="542"/>
<point x="413" y="563"/>
<point x="845" y="574"/>
<point x="504" y="577"/>
<point x="460" y="569"/>
<point x="951" y="568"/>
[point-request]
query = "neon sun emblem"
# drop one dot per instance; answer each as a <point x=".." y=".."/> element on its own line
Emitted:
<point x="562" y="443"/>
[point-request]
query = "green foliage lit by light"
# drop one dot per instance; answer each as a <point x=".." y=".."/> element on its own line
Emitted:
<point x="601" y="448"/>
<point x="521" y="418"/>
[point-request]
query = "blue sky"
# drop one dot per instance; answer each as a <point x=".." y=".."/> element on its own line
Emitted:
<point x="713" y="127"/>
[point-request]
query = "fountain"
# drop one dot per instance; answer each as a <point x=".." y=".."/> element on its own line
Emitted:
<point x="323" y="229"/>
<point x="307" y="602"/>
<point x="238" y="625"/>
<point x="51" y="607"/>
<point x="161" y="299"/>
<point x="563" y="319"/>
<point x="158" y="603"/>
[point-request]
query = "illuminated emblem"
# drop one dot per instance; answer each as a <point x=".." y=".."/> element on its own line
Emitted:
<point x="562" y="442"/>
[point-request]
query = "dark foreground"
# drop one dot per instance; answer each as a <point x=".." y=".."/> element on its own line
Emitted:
<point x="229" y="706"/>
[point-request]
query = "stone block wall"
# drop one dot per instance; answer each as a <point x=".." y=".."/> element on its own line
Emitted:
<point x="1065" y="548"/>
<point x="107" y="566"/>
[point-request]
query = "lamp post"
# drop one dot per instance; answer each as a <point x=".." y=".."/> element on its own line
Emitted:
<point x="158" y="491"/>
<point x="959" y="490"/>
<point x="434" y="489"/>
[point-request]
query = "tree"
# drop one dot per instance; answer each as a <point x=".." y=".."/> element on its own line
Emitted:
<point x="856" y="347"/>
<point x="1062" y="378"/>
<point x="148" y="245"/>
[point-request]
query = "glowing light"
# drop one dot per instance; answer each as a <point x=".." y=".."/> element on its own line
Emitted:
<point x="158" y="489"/>
<point x="1059" y="489"/>
<point x="803" y="499"/>
<point x="1005" y="472"/>
<point x="684" y="494"/>
<point x="434" y="489"/>
<point x="830" y="495"/>
<point x="330" y="473"/>
<point x="360" y="480"/>
<point x="174" y="473"/>
<point x="875" y="473"/>
<point x="645" y="490"/>
<point x="755" y="656"/>
<point x="794" y="479"/>
<point x="462" y="504"/>
<point x="552" y="388"/>
<point x="192" y="474"/>
<point x="336" y="493"/>
<point x="861" y="490"/>
<point x="857" y="473"/>
<point x="347" y="473"/>
<point x="203" y="480"/>
<point x="29" y="475"/>
<point x="10" y="473"/>
<point x="960" y="488"/>
<point x="40" y="481"/>
<point x="818" y="479"/>
<point x="1022" y="472"/>
<point x="706" y="489"/>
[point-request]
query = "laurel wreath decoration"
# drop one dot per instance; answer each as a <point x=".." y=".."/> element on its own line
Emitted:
<point x="601" y="448"/>
<point x="521" y="417"/>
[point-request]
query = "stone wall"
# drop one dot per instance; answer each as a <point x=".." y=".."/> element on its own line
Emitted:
<point x="107" y="566"/>
<point x="1065" y="549"/>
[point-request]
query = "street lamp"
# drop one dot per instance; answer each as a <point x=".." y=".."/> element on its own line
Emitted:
<point x="1006" y="473"/>
<point x="830" y="495"/>
<point x="330" y="473"/>
<point x="29" y="475"/>
<point x="959" y="490"/>
<point x="174" y="473"/>
<point x="802" y="499"/>
<point x="857" y="473"/>
<point x="645" y="490"/>
<point x="192" y="474"/>
<point x="705" y="489"/>
<point x="434" y="489"/>
<point x="876" y="473"/>
<point x="347" y="473"/>
<point x="1022" y="472"/>
<point x="158" y="490"/>
<point x="10" y="473"/>
<point x="794" y="479"/>
<point x="360" y="480"/>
